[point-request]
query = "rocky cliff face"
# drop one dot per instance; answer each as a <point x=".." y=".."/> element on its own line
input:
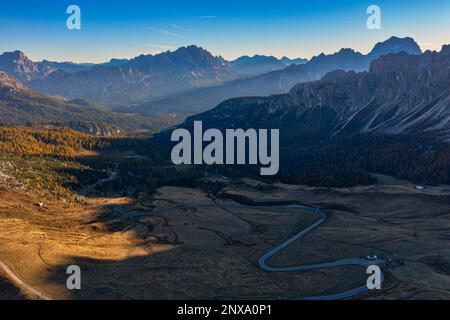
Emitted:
<point x="19" y="66"/>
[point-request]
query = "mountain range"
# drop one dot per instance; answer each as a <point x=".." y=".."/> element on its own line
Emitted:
<point x="400" y="94"/>
<point x="392" y="89"/>
<point x="123" y="82"/>
<point x="187" y="80"/>
<point x="275" y="82"/>
<point x="143" y="77"/>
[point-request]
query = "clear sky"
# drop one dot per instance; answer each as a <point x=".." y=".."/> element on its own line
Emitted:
<point x="117" y="29"/>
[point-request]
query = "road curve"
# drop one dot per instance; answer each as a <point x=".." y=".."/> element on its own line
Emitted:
<point x="26" y="288"/>
<point x="339" y="263"/>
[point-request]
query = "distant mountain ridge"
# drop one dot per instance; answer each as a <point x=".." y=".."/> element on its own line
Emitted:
<point x="18" y="65"/>
<point x="287" y="61"/>
<point x="276" y="82"/>
<point x="400" y="94"/>
<point x="191" y="57"/>
<point x="259" y="64"/>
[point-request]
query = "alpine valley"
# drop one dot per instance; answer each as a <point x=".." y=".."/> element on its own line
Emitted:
<point x="362" y="178"/>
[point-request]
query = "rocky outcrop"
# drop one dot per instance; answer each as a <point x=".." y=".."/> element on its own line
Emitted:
<point x="19" y="66"/>
<point x="9" y="83"/>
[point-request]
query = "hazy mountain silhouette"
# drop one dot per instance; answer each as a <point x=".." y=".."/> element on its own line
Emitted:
<point x="250" y="66"/>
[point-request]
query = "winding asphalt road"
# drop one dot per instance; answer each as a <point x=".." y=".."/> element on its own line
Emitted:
<point x="316" y="266"/>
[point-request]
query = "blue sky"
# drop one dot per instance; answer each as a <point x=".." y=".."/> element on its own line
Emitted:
<point x="116" y="29"/>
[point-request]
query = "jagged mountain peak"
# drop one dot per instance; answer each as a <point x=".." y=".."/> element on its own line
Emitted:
<point x="394" y="45"/>
<point x="200" y="55"/>
<point x="256" y="64"/>
<point x="14" y="55"/>
<point x="18" y="65"/>
<point x="184" y="57"/>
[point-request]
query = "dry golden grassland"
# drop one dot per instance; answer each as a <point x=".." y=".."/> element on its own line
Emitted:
<point x="162" y="250"/>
